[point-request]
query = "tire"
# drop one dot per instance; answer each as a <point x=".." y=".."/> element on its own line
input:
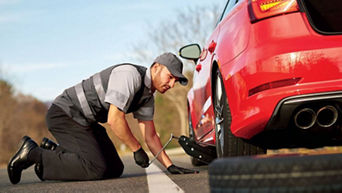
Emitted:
<point x="194" y="161"/>
<point x="298" y="174"/>
<point x="227" y="145"/>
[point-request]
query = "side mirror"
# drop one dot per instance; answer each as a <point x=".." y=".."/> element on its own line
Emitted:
<point x="190" y="52"/>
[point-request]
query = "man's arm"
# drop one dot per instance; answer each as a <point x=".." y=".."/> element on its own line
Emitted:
<point x="118" y="124"/>
<point x="153" y="142"/>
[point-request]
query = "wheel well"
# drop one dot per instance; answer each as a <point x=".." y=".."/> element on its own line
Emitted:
<point x="213" y="82"/>
<point x="190" y="125"/>
<point x="213" y="79"/>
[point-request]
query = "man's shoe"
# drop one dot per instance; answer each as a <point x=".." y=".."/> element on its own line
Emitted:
<point x="20" y="161"/>
<point x="38" y="168"/>
<point x="48" y="144"/>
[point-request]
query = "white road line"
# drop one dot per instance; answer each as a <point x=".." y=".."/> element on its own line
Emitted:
<point x="159" y="182"/>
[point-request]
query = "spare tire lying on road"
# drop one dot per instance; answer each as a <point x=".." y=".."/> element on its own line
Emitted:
<point x="252" y="174"/>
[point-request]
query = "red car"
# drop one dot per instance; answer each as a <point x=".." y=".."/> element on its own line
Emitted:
<point x="269" y="77"/>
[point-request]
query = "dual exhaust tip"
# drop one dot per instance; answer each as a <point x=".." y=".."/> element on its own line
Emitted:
<point x="324" y="117"/>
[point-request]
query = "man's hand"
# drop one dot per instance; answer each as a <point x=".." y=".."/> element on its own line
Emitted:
<point x="141" y="158"/>
<point x="178" y="170"/>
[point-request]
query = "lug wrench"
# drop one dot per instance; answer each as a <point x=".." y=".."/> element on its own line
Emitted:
<point x="168" y="142"/>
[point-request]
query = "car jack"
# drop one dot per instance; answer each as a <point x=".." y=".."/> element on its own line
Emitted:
<point x="205" y="155"/>
<point x="191" y="148"/>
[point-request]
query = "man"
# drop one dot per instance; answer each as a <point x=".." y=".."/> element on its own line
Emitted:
<point x="85" y="151"/>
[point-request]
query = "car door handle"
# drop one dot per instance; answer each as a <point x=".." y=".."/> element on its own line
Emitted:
<point x="198" y="67"/>
<point x="212" y="46"/>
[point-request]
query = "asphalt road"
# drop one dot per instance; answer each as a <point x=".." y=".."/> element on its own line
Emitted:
<point x="134" y="179"/>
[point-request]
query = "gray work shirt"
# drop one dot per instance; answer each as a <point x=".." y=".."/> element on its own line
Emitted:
<point x="123" y="84"/>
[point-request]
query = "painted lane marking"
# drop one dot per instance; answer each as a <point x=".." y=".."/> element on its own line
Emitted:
<point x="158" y="181"/>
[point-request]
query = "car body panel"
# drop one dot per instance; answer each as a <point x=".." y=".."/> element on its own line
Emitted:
<point x="201" y="91"/>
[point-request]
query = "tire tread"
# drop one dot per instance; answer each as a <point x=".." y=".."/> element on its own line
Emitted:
<point x="317" y="173"/>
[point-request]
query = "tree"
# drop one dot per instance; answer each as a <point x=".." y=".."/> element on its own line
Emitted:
<point x="7" y="103"/>
<point x="19" y="115"/>
<point x="191" y="26"/>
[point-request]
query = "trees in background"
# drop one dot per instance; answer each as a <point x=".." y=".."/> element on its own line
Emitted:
<point x="7" y="102"/>
<point x="19" y="115"/>
<point x="193" y="25"/>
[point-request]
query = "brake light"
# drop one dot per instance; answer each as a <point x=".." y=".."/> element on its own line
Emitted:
<point x="261" y="9"/>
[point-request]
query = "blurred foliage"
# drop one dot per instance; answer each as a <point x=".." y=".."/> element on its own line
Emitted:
<point x="192" y="25"/>
<point x="19" y="115"/>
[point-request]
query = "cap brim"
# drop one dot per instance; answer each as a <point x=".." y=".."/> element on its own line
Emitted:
<point x="181" y="78"/>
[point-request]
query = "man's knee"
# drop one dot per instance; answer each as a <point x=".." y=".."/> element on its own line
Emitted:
<point x="110" y="170"/>
<point x="117" y="171"/>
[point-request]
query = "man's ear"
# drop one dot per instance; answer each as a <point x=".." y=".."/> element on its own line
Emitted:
<point x="155" y="67"/>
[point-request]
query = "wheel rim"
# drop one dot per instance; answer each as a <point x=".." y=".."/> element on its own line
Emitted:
<point x="219" y="118"/>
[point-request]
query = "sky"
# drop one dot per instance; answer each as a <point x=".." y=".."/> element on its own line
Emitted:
<point x="48" y="46"/>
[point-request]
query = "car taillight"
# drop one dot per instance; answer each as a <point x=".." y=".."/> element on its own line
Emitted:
<point x="261" y="9"/>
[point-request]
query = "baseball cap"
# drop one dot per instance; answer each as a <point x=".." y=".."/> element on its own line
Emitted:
<point x="174" y="65"/>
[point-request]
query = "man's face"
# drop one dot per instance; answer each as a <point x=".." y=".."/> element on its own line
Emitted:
<point x="162" y="79"/>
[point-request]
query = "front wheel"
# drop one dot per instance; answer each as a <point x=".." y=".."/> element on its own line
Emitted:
<point x="227" y="144"/>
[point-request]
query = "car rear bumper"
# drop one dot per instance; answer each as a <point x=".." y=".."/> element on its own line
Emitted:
<point x="281" y="131"/>
<point x="274" y="109"/>
<point x="289" y="53"/>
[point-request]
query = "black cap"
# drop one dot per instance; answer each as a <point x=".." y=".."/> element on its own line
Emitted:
<point x="174" y="65"/>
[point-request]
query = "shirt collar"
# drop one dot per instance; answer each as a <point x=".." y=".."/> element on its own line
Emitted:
<point x="148" y="80"/>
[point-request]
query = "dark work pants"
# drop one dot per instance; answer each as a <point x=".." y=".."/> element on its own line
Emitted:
<point x="84" y="153"/>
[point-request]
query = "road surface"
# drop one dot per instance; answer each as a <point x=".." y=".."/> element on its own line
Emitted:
<point x="154" y="179"/>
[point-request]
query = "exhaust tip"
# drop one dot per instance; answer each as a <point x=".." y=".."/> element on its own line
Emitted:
<point x="327" y="116"/>
<point x="305" y="118"/>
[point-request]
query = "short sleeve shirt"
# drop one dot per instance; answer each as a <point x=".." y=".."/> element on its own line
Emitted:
<point x="124" y="83"/>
